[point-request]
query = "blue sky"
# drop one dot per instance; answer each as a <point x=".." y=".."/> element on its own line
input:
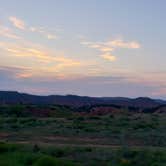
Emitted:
<point x="90" y="47"/>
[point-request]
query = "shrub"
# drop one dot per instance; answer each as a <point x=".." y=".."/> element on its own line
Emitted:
<point x="17" y="110"/>
<point x="94" y="117"/>
<point x="60" y="153"/>
<point x="125" y="162"/>
<point x="50" y="161"/>
<point x="7" y="147"/>
<point x="88" y="149"/>
<point x="80" y="118"/>
<point x="11" y="120"/>
<point x="36" y="148"/>
<point x="3" y="148"/>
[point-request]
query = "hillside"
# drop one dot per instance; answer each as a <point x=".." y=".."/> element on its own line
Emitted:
<point x="9" y="97"/>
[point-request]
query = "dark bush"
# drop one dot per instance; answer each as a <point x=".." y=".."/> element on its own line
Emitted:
<point x="50" y="161"/>
<point x="3" y="148"/>
<point x="36" y="148"/>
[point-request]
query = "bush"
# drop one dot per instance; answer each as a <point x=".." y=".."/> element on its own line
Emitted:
<point x="94" y="118"/>
<point x="3" y="148"/>
<point x="36" y="148"/>
<point x="55" y="152"/>
<point x="60" y="153"/>
<point x="11" y="120"/>
<point x="125" y="162"/>
<point x="7" y="147"/>
<point x="50" y="161"/>
<point x="80" y="118"/>
<point x="88" y="149"/>
<point x="17" y="110"/>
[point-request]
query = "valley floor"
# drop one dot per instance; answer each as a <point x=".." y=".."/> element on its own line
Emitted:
<point x="125" y="139"/>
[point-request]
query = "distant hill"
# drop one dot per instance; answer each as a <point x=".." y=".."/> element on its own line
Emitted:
<point x="11" y="97"/>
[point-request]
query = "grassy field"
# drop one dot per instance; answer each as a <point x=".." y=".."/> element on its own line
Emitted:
<point x="67" y="138"/>
<point x="45" y="155"/>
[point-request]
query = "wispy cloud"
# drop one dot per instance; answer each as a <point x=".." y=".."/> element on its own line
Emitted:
<point x="7" y="32"/>
<point x="18" y="23"/>
<point x="15" y="72"/>
<point x="24" y="75"/>
<point x="108" y="56"/>
<point x="106" y="48"/>
<point x="42" y="55"/>
<point x="43" y="32"/>
<point x="122" y="44"/>
<point x="50" y="36"/>
<point x="48" y="60"/>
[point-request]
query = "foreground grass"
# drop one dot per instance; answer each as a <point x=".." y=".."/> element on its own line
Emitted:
<point x="26" y="155"/>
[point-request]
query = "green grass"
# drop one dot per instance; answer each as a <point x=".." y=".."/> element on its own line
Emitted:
<point x="17" y="155"/>
<point x="65" y="138"/>
<point x="24" y="155"/>
<point x="141" y="129"/>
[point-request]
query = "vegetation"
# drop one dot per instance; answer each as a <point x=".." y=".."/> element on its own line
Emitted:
<point x="65" y="137"/>
<point x="23" y="155"/>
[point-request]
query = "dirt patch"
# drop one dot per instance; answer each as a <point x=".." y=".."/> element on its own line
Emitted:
<point x="3" y="135"/>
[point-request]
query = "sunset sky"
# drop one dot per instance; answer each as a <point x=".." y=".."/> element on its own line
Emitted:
<point x="84" y="47"/>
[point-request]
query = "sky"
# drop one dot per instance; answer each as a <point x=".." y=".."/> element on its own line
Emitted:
<point x="83" y="47"/>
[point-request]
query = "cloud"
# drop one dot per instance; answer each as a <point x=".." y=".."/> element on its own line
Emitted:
<point x="18" y="23"/>
<point x="50" y="36"/>
<point x="41" y="55"/>
<point x="14" y="72"/>
<point x="122" y="44"/>
<point x="108" y="56"/>
<point x="149" y="78"/>
<point x="22" y="51"/>
<point x="131" y="85"/>
<point x="7" y="32"/>
<point x="46" y="61"/>
<point x="43" y="32"/>
<point x="109" y="46"/>
<point x="24" y="75"/>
